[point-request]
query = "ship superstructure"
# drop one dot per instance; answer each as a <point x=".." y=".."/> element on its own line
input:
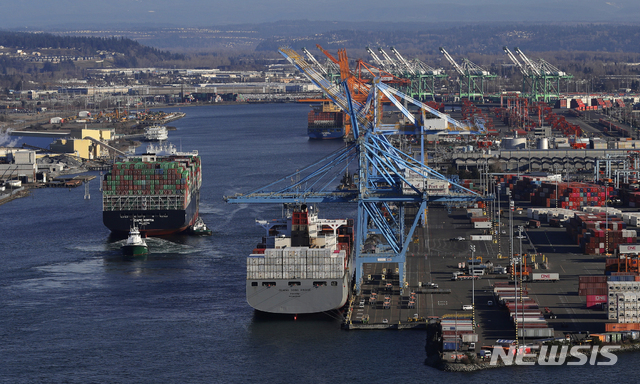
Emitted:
<point x="156" y="133"/>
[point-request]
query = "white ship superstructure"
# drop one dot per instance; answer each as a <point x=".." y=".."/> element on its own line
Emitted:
<point x="156" y="133"/>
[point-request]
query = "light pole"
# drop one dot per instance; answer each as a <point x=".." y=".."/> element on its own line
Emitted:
<point x="473" y="286"/>
<point x="511" y="209"/>
<point x="499" y="192"/>
<point x="520" y="229"/>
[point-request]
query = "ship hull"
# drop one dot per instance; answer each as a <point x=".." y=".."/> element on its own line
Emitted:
<point x="305" y="298"/>
<point x="134" y="250"/>
<point x="154" y="222"/>
<point x="325" y="133"/>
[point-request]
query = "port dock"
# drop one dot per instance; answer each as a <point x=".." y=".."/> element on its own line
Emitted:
<point x="433" y="257"/>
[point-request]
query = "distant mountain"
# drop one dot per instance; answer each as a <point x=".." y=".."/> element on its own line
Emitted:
<point x="426" y="38"/>
<point x="72" y="14"/>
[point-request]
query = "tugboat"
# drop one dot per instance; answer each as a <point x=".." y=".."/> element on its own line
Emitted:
<point x="200" y="228"/>
<point x="135" y="245"/>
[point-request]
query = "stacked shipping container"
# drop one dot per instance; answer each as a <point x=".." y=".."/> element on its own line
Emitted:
<point x="623" y="301"/>
<point x="152" y="177"/>
<point x="571" y="195"/>
<point x="598" y="234"/>
<point x="523" y="311"/>
<point x="455" y="330"/>
<point x="296" y="263"/>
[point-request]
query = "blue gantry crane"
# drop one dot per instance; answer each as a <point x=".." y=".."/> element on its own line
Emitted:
<point x="381" y="179"/>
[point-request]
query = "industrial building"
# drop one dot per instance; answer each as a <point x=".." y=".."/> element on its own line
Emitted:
<point x="86" y="146"/>
<point x="17" y="163"/>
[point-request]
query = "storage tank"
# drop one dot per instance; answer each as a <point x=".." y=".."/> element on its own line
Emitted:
<point x="514" y="143"/>
<point x="543" y="143"/>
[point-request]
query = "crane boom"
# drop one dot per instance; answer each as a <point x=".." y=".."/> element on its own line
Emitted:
<point x="330" y="56"/>
<point x="457" y="67"/>
<point x="314" y="61"/>
<point x="532" y="66"/>
<point x="515" y="60"/>
<point x="454" y="124"/>
<point x="392" y="62"/>
<point x="403" y="61"/>
<point x="375" y="57"/>
<point x="331" y="90"/>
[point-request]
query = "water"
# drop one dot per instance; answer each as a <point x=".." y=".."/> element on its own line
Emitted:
<point x="72" y="310"/>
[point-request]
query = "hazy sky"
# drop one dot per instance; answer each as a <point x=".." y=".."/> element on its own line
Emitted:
<point x="70" y="13"/>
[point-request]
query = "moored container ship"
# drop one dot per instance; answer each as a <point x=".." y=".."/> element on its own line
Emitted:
<point x="326" y="121"/>
<point x="159" y="191"/>
<point x="302" y="266"/>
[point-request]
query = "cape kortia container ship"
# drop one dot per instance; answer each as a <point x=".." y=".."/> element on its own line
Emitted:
<point x="303" y="265"/>
<point x="158" y="190"/>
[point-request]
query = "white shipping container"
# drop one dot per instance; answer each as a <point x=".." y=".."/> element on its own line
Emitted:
<point x="481" y="237"/>
<point x="545" y="276"/>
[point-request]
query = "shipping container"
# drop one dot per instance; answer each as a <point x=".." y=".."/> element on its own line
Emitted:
<point x="545" y="277"/>
<point x="535" y="332"/>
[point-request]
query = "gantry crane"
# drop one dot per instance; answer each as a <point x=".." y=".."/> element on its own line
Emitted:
<point x="471" y="77"/>
<point x="388" y="180"/>
<point x="423" y="77"/>
<point x="540" y="80"/>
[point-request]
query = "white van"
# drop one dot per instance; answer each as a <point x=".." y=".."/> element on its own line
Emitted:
<point x="467" y="307"/>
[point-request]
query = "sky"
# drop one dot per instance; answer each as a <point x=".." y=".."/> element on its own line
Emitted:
<point x="45" y="14"/>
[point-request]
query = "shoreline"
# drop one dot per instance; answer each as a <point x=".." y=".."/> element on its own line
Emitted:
<point x="445" y="366"/>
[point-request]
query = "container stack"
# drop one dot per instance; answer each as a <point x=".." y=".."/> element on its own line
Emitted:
<point x="623" y="301"/>
<point x="547" y="214"/>
<point x="456" y="329"/>
<point x="506" y="181"/>
<point x="595" y="290"/>
<point x="296" y="263"/>
<point x="471" y="112"/>
<point x="523" y="310"/>
<point x="164" y="177"/>
<point x="631" y="218"/>
<point x="572" y="195"/>
<point x="598" y="234"/>
<point x="634" y="200"/>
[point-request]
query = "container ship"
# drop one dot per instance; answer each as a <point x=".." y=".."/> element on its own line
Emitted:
<point x="303" y="265"/>
<point x="159" y="191"/>
<point x="326" y="121"/>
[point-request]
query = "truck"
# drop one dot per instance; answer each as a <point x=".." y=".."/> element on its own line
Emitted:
<point x="534" y="223"/>
<point x="482" y="225"/>
<point x="545" y="277"/>
<point x="464" y="277"/>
